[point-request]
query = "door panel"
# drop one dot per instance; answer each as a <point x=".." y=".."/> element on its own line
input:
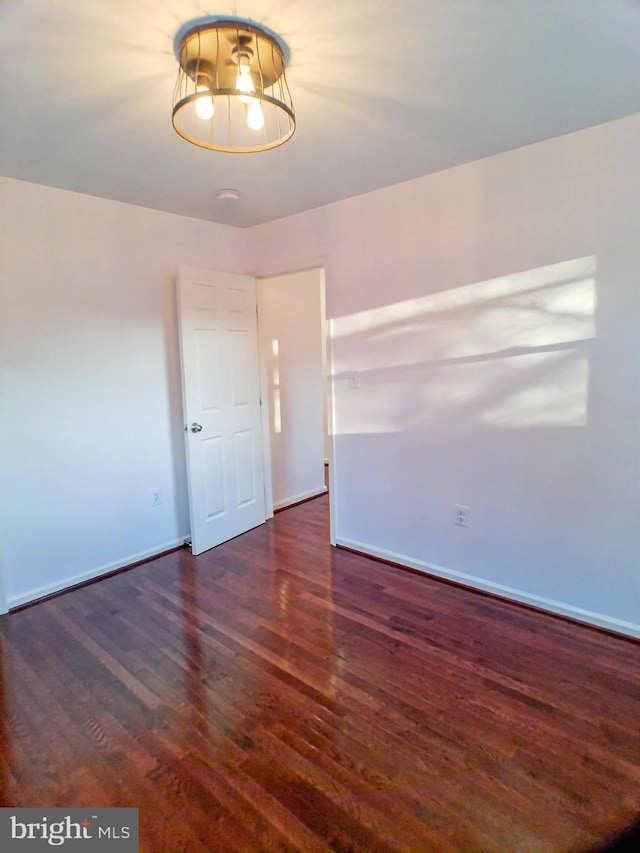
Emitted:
<point x="209" y="380"/>
<point x="221" y="394"/>
<point x="214" y="476"/>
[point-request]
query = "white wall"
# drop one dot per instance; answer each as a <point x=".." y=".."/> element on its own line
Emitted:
<point x="492" y="312"/>
<point x="90" y="399"/>
<point x="292" y="348"/>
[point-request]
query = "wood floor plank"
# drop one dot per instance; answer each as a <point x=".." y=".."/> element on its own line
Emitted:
<point x="279" y="696"/>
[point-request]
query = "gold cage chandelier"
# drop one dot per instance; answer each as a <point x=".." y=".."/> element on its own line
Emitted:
<point x="231" y="93"/>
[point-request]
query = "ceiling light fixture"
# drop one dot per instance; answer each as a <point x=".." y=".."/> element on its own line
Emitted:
<point x="231" y="93"/>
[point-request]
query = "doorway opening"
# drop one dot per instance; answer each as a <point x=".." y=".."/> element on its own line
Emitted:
<point x="292" y="333"/>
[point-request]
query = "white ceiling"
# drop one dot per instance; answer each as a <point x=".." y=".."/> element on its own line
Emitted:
<point x="384" y="92"/>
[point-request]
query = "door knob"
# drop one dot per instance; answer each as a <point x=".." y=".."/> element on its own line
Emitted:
<point x="196" y="427"/>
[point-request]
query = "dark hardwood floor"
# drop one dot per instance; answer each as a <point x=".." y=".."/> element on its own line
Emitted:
<point x="275" y="694"/>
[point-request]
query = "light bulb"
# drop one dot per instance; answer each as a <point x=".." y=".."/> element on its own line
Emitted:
<point x="204" y="104"/>
<point x="244" y="81"/>
<point x="255" y="116"/>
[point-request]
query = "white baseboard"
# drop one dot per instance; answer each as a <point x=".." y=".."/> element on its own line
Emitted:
<point x="303" y="496"/>
<point x="91" y="574"/>
<point x="559" y="608"/>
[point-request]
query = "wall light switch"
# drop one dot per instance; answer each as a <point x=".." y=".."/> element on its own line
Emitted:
<point x="461" y="517"/>
<point x="354" y="379"/>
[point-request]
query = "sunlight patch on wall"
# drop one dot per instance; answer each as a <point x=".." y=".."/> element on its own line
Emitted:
<point x="531" y="389"/>
<point x="275" y="387"/>
<point x="510" y="352"/>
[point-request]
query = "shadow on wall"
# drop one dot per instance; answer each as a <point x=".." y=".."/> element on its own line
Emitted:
<point x="508" y="352"/>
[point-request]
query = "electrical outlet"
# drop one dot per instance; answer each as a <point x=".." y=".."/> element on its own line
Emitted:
<point x="155" y="496"/>
<point x="461" y="517"/>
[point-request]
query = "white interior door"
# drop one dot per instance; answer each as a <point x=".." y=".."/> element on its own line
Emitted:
<point x="221" y="397"/>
